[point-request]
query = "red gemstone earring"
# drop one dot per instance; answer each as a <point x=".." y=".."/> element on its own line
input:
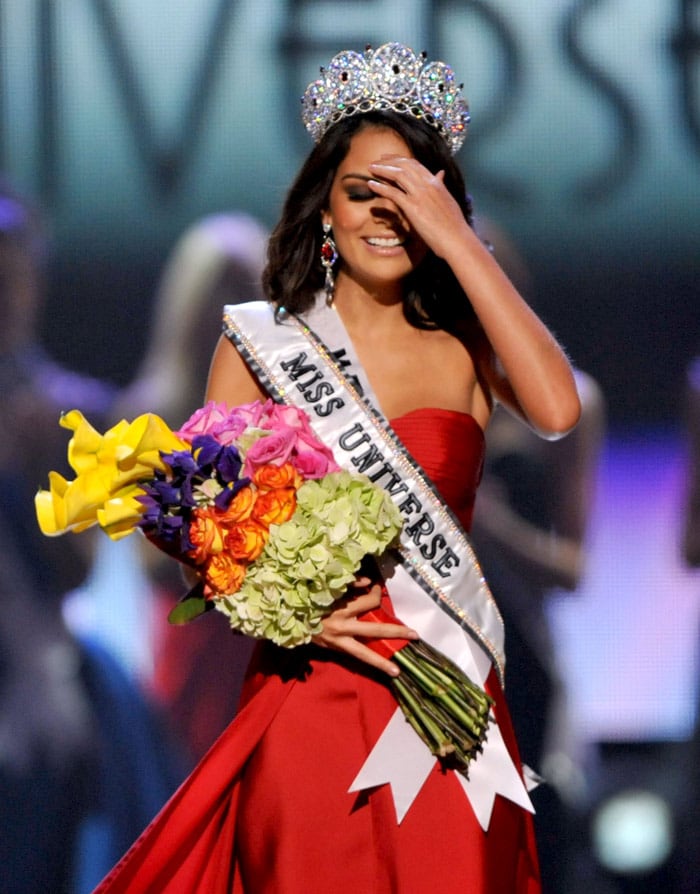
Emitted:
<point x="329" y="255"/>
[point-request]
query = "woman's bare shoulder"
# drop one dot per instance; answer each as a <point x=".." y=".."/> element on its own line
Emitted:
<point x="230" y="379"/>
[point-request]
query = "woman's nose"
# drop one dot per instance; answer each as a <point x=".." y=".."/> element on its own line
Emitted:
<point x="385" y="210"/>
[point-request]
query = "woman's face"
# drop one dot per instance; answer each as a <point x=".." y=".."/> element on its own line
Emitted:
<point x="375" y="241"/>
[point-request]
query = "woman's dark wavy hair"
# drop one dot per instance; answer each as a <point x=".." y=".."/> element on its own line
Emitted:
<point x="293" y="275"/>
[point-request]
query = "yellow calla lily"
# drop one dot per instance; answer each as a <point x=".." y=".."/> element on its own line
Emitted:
<point x="141" y="446"/>
<point x="132" y="447"/>
<point x="119" y="516"/>
<point x="87" y="446"/>
<point x="50" y="508"/>
<point x="108" y="469"/>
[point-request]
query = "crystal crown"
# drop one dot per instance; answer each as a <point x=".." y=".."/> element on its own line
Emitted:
<point x="393" y="78"/>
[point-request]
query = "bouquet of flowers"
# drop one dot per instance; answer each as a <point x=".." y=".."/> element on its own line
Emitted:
<point x="277" y="531"/>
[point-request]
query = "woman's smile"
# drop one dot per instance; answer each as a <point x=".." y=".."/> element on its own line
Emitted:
<point x="386" y="241"/>
<point x="386" y="246"/>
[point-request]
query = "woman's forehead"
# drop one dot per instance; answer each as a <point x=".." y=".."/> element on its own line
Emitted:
<point x="370" y="143"/>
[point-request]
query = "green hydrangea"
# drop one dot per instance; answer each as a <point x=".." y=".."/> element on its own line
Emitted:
<point x="309" y="561"/>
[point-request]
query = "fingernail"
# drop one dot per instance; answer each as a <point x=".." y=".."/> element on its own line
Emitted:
<point x="395" y="671"/>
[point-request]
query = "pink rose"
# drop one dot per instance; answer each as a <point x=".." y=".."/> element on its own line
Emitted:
<point x="311" y="458"/>
<point x="203" y="421"/>
<point x="253" y="414"/>
<point x="291" y="417"/>
<point x="275" y="449"/>
<point x="217" y="420"/>
<point x="299" y="421"/>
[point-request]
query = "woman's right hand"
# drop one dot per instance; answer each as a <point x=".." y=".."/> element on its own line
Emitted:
<point x="343" y="629"/>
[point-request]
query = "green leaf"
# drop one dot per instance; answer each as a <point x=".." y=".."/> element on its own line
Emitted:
<point x="191" y="606"/>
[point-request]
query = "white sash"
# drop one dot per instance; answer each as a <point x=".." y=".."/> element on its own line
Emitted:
<point x="435" y="564"/>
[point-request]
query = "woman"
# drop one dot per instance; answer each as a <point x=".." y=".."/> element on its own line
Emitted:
<point x="375" y="253"/>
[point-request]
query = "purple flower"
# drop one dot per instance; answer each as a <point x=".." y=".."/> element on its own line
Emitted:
<point x="205" y="449"/>
<point x="215" y="458"/>
<point x="169" y="530"/>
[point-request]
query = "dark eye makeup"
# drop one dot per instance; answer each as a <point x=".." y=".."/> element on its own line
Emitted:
<point x="360" y="195"/>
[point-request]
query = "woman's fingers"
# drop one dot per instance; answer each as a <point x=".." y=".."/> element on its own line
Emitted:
<point x="402" y="172"/>
<point x="357" y="649"/>
<point x="361" y="583"/>
<point x="356" y="605"/>
<point x="386" y="631"/>
<point x="338" y="626"/>
<point x="364" y="653"/>
<point x="423" y="199"/>
<point x="344" y="631"/>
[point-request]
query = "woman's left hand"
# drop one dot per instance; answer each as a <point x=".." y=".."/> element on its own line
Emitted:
<point x="343" y="630"/>
<point x="423" y="199"/>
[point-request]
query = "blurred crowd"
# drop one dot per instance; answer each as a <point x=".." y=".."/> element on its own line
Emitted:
<point x="104" y="708"/>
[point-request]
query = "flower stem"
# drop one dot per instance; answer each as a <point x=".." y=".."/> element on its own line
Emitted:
<point x="421" y="720"/>
<point x="445" y="708"/>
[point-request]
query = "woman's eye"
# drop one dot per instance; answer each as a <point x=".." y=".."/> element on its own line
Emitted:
<point x="360" y="196"/>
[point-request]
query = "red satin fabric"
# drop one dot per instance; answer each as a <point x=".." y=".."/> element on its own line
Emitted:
<point x="449" y="447"/>
<point x="267" y="811"/>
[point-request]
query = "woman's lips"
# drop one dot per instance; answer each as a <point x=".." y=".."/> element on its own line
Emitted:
<point x="385" y="241"/>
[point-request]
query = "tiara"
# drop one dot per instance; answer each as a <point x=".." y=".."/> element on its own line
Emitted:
<point x="391" y="78"/>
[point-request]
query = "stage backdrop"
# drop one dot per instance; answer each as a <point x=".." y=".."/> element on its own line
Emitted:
<point x="128" y="120"/>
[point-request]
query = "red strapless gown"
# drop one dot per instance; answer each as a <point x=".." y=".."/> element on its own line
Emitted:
<point x="267" y="810"/>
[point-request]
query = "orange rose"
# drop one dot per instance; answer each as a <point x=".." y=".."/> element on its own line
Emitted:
<point x="223" y="574"/>
<point x="206" y="534"/>
<point x="272" y="477"/>
<point x="239" y="508"/>
<point x="275" y="506"/>
<point x="247" y="540"/>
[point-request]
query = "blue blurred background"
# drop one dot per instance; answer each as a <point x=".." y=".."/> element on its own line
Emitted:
<point x="127" y="121"/>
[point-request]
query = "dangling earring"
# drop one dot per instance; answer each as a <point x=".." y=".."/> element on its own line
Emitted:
<point x="329" y="255"/>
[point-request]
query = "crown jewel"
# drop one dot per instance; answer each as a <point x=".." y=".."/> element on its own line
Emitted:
<point x="392" y="78"/>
